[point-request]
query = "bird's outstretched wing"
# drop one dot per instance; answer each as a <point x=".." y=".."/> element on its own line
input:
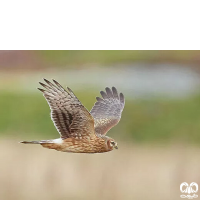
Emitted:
<point x="70" y="117"/>
<point x="107" y="110"/>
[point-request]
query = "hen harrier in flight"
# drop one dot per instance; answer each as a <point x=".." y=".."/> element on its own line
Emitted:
<point x="81" y="131"/>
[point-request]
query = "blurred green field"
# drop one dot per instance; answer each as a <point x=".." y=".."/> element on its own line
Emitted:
<point x="27" y="116"/>
<point x="110" y="57"/>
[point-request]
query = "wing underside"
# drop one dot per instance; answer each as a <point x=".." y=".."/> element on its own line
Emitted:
<point x="107" y="110"/>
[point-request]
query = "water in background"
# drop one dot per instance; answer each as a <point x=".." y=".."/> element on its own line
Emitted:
<point x="136" y="80"/>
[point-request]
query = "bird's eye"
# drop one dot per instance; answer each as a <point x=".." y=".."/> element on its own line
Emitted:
<point x="112" y="143"/>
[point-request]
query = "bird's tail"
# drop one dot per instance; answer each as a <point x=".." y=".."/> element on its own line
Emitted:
<point x="37" y="142"/>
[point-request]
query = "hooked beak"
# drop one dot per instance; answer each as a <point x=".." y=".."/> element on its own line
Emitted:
<point x="116" y="147"/>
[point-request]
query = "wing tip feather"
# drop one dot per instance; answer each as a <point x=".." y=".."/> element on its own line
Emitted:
<point x="103" y="94"/>
<point x="122" y="99"/>
<point x="99" y="99"/>
<point x="42" y="90"/>
<point x="49" y="83"/>
<point x="46" y="80"/>
<point x="58" y="84"/>
<point x="114" y="88"/>
<point x="69" y="90"/>
<point x="42" y="84"/>
<point x="109" y="92"/>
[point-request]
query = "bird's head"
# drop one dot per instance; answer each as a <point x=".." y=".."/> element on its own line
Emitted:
<point x="112" y="144"/>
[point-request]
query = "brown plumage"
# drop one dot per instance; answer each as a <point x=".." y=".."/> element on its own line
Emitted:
<point x="81" y="131"/>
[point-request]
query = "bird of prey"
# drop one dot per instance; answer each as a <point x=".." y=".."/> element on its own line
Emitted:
<point x="81" y="131"/>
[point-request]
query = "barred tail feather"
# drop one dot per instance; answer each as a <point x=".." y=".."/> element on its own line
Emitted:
<point x="37" y="142"/>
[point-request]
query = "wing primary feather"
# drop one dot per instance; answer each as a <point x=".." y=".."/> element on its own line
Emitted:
<point x="115" y="93"/>
<point x="70" y="90"/>
<point x="71" y="93"/>
<point x="121" y="98"/>
<point x="99" y="99"/>
<point x="45" y="86"/>
<point x="58" y="85"/>
<point x="104" y="95"/>
<point x="52" y="85"/>
<point x="42" y="90"/>
<point x="109" y="92"/>
<point x="47" y="93"/>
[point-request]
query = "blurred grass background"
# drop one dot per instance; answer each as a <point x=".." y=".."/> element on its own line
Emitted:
<point x="147" y="121"/>
<point x="112" y="57"/>
<point x="158" y="135"/>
